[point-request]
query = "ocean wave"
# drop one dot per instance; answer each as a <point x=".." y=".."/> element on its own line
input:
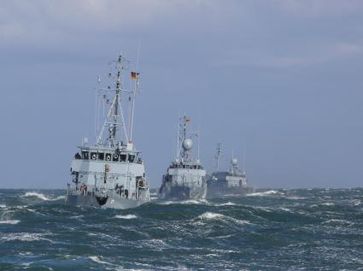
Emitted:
<point x="210" y="215"/>
<point x="129" y="216"/>
<point x="356" y="202"/>
<point x="328" y="204"/>
<point x="41" y="196"/>
<point x="2" y="205"/>
<point x="216" y="216"/>
<point x="186" y="202"/>
<point x="24" y="237"/>
<point x="338" y="221"/>
<point x="97" y="259"/>
<point x="265" y="193"/>
<point x="11" y="221"/>
<point x="229" y="203"/>
<point x="36" y="195"/>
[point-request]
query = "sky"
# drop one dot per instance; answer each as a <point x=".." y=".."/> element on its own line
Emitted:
<point x="278" y="82"/>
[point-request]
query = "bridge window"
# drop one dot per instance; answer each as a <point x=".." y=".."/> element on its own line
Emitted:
<point x="115" y="157"/>
<point x="94" y="155"/>
<point x="101" y="156"/>
<point x="85" y="155"/>
<point x="131" y="158"/>
<point x="123" y="157"/>
<point x="108" y="156"/>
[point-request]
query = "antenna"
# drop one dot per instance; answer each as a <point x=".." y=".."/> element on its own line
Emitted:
<point x="115" y="111"/>
<point x="218" y="155"/>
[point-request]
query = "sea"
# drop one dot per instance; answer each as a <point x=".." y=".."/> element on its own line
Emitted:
<point x="301" y="229"/>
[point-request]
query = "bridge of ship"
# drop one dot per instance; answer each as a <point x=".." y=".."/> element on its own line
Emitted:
<point x="109" y="155"/>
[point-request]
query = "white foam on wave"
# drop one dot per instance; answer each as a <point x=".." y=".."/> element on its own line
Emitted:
<point x="24" y="236"/>
<point x="97" y="259"/>
<point x="295" y="198"/>
<point x="338" y="221"/>
<point x="36" y="195"/>
<point x="2" y="206"/>
<point x="216" y="216"/>
<point x="265" y="193"/>
<point x="210" y="215"/>
<point x="59" y="198"/>
<point x="229" y="203"/>
<point x="356" y="202"/>
<point x="11" y="221"/>
<point x="129" y="216"/>
<point x="328" y="204"/>
<point x="186" y="202"/>
<point x="41" y="196"/>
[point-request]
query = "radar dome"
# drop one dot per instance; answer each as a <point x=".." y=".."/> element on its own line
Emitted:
<point x="187" y="144"/>
<point x="234" y="161"/>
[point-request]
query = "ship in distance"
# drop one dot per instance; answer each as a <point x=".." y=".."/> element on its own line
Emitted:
<point x="185" y="177"/>
<point x="111" y="172"/>
<point x="227" y="183"/>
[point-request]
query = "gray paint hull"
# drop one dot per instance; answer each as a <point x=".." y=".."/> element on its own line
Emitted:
<point x="111" y="201"/>
<point x="215" y="191"/>
<point x="170" y="191"/>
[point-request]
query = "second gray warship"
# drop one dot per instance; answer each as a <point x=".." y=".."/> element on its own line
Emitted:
<point x="185" y="178"/>
<point x="227" y="183"/>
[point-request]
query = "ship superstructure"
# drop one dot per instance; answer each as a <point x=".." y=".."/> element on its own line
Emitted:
<point x="185" y="178"/>
<point x="111" y="172"/>
<point x="231" y="182"/>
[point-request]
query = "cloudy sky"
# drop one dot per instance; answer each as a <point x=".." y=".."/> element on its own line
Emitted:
<point x="278" y="80"/>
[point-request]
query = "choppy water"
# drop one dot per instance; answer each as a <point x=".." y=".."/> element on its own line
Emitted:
<point x="275" y="230"/>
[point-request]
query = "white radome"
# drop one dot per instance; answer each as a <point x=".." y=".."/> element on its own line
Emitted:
<point x="234" y="161"/>
<point x="187" y="144"/>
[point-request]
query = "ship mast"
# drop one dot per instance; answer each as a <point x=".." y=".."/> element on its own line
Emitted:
<point x="115" y="117"/>
<point x="218" y="155"/>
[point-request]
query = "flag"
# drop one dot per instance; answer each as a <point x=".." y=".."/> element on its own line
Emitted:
<point x="135" y="75"/>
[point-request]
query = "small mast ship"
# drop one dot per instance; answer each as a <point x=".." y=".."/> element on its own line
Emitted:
<point x="185" y="178"/>
<point x="111" y="173"/>
<point x="225" y="183"/>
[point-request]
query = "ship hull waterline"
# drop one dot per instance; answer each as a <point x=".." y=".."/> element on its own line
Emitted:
<point x="113" y="202"/>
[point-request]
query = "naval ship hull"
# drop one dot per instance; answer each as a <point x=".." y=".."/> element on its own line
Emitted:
<point x="112" y="200"/>
<point x="181" y="192"/>
<point x="220" y="190"/>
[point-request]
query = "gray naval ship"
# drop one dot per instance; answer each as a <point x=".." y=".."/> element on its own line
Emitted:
<point x="185" y="178"/>
<point x="111" y="173"/>
<point x="227" y="183"/>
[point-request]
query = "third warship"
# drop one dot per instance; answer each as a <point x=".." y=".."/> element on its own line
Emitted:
<point x="224" y="183"/>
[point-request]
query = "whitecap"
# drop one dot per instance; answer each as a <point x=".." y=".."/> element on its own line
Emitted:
<point x="24" y="236"/>
<point x="36" y="195"/>
<point x="265" y="193"/>
<point x="59" y="198"/>
<point x="129" y="216"/>
<point x="11" y="221"/>
<point x="356" y="202"/>
<point x="328" y="204"/>
<point x="338" y="221"/>
<point x="2" y="206"/>
<point x="186" y="202"/>
<point x="229" y="203"/>
<point x="97" y="259"/>
<point x="285" y="209"/>
<point x="295" y="198"/>
<point x="216" y="216"/>
<point x="210" y="215"/>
